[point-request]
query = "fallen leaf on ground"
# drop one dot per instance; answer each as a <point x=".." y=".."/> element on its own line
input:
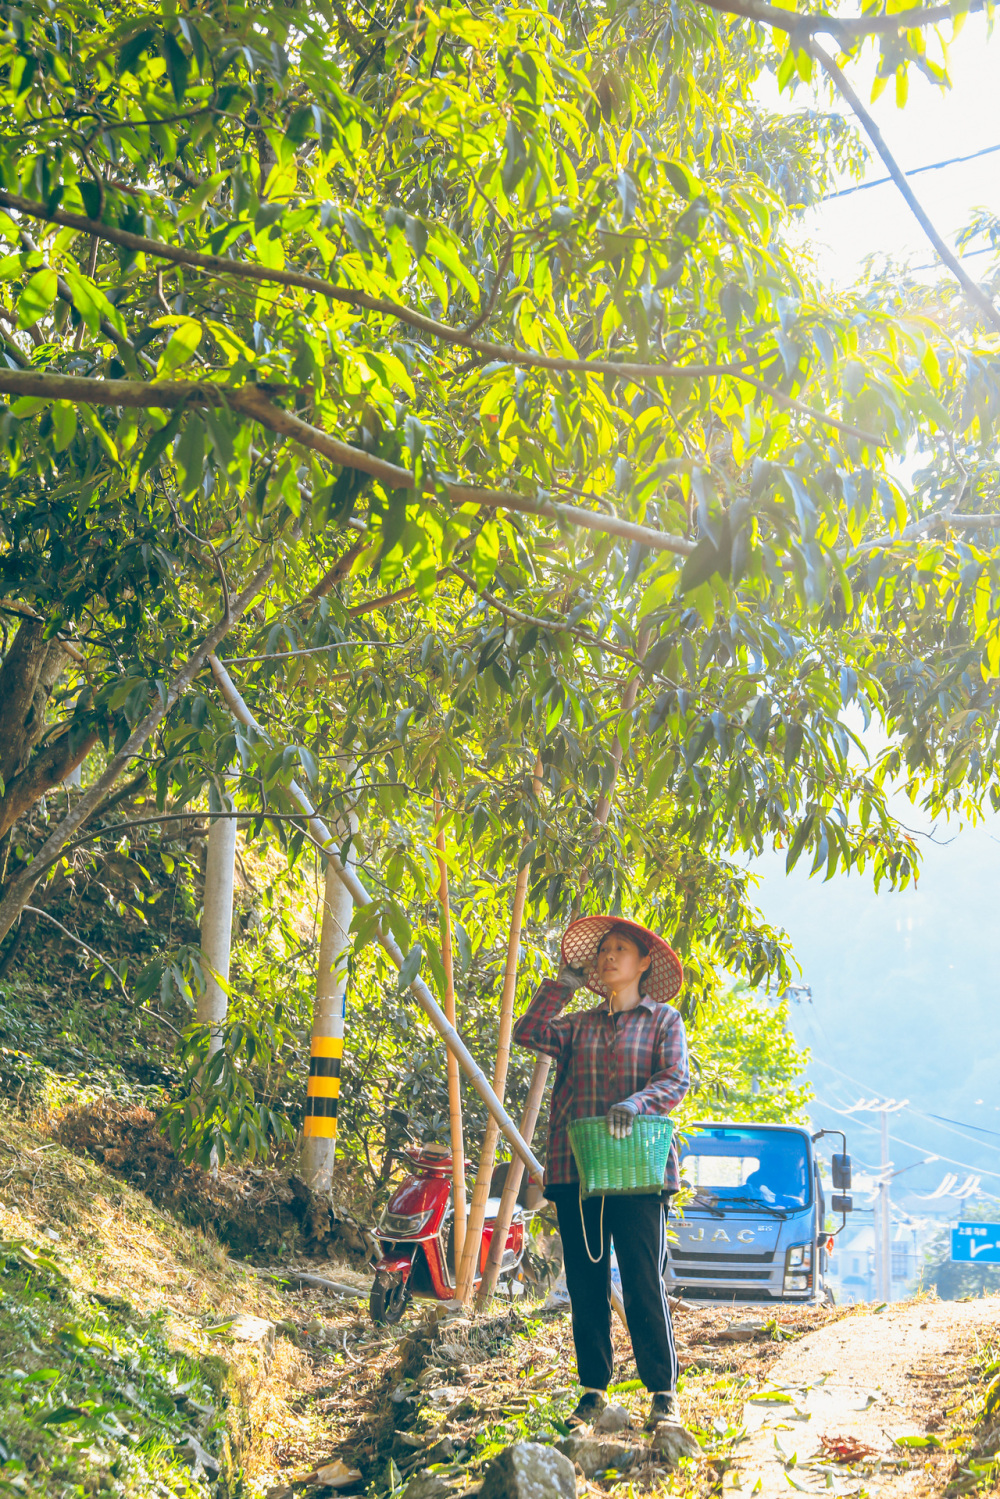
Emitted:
<point x="845" y="1449"/>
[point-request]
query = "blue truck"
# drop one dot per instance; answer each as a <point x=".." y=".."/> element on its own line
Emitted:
<point x="751" y="1226"/>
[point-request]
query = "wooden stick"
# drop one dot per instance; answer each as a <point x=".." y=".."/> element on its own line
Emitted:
<point x="454" y="1080"/>
<point x="360" y="896"/>
<point x="539" y="1077"/>
<point x="484" y="1176"/>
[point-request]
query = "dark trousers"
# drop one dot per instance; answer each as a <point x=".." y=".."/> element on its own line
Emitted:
<point x="639" y="1231"/>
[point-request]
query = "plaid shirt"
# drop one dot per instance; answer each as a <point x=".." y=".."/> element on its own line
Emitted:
<point x="637" y="1056"/>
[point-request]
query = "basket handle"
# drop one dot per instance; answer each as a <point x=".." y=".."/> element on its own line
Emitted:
<point x="583" y="1230"/>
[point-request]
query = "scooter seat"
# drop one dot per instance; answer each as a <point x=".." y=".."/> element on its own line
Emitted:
<point x="493" y="1208"/>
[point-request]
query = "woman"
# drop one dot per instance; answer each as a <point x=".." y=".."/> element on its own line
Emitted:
<point x="626" y="1057"/>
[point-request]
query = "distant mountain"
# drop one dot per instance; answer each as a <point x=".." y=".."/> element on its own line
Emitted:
<point x="905" y="990"/>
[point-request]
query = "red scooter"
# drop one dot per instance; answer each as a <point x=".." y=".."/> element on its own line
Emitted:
<point x="417" y="1235"/>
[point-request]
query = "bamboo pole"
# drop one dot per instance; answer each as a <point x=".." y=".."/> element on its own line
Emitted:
<point x="360" y="896"/>
<point x="539" y="1077"/>
<point x="454" y="1080"/>
<point x="484" y="1176"/>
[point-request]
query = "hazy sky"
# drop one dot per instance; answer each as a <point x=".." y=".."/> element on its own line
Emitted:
<point x="906" y="986"/>
<point x="934" y="125"/>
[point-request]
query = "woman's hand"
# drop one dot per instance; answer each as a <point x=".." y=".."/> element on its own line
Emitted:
<point x="571" y="978"/>
<point x="620" y="1117"/>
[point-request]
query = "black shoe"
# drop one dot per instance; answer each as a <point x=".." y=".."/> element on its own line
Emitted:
<point x="588" y="1408"/>
<point x="665" y="1407"/>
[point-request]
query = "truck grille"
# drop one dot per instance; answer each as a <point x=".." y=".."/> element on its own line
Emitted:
<point x="716" y="1259"/>
<point x="718" y="1272"/>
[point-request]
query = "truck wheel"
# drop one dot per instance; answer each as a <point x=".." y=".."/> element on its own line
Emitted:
<point x="828" y="1297"/>
<point x="388" y="1298"/>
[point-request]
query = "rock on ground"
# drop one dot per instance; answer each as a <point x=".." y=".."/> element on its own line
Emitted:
<point x="248" y="1329"/>
<point x="672" y="1441"/>
<point x="528" y="1470"/>
<point x="595" y="1456"/>
<point x="613" y="1418"/>
<point x="426" y="1485"/>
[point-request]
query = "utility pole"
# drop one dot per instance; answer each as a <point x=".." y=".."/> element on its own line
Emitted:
<point x="885" y="1235"/>
<point x="882" y="1211"/>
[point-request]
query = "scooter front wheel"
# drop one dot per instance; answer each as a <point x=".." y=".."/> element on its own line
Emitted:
<point x="389" y="1297"/>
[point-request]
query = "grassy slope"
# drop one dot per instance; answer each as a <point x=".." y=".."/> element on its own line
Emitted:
<point x="109" y="1360"/>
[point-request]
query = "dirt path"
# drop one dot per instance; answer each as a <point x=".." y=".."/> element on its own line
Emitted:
<point x="871" y="1378"/>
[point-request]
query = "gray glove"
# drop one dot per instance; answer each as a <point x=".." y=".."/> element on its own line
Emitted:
<point x="620" y="1117"/>
<point x="571" y="978"/>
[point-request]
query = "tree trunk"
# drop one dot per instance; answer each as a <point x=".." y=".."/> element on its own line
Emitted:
<point x="217" y="926"/>
<point x="17" y="894"/>
<point x="326" y="1048"/>
<point x="29" y="672"/>
<point x="360" y="896"/>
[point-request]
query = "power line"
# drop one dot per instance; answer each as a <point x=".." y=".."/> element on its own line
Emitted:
<point x="898" y="1140"/>
<point x="932" y="166"/>
<point x="921" y="1113"/>
<point x="983" y="1144"/>
<point x="967" y="1126"/>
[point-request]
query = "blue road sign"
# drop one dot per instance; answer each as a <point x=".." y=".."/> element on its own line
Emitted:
<point x="976" y="1243"/>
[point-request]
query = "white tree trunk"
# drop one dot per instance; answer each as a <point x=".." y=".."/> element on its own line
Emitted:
<point x="319" y="1143"/>
<point x="217" y="925"/>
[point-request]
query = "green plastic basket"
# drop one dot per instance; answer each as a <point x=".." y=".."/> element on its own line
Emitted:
<point x="610" y="1167"/>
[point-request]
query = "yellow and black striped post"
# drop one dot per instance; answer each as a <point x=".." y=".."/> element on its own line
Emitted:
<point x="323" y="1088"/>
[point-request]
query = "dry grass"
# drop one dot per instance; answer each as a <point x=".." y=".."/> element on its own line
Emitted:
<point x="112" y="1243"/>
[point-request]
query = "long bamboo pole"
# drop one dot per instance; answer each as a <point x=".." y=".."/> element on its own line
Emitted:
<point x="454" y="1080"/>
<point x="487" y="1159"/>
<point x="360" y="896"/>
<point x="539" y="1077"/>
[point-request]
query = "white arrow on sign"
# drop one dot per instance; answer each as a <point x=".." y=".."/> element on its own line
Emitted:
<point x="975" y="1249"/>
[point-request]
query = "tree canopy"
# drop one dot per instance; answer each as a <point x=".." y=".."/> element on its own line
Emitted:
<point x="454" y="368"/>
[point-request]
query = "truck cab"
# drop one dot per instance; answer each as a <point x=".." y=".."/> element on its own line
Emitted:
<point x="751" y="1224"/>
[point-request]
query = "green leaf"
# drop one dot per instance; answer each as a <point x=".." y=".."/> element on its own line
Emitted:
<point x="310" y="769"/>
<point x="416" y="234"/>
<point x="515" y="158"/>
<point x="410" y="967"/>
<point x="63" y="425"/>
<point x="180" y="349"/>
<point x="191" y="453"/>
<point x="629" y="195"/>
<point x="699" y="566"/>
<point x="177" y="64"/>
<point x="133" y="50"/>
<point x="62" y="1414"/>
<point x="159" y="441"/>
<point x="679" y="178"/>
<point x="37" y="297"/>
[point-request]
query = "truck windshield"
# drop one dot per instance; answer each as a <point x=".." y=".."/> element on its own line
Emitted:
<point x="742" y="1166"/>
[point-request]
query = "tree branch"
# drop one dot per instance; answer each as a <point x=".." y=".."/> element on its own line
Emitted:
<point x="552" y="625"/>
<point x="973" y="292"/>
<point x="46" y="769"/>
<point x="252" y="402"/>
<point x="19" y="890"/>
<point x="845" y="31"/>
<point x="637" y="374"/>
